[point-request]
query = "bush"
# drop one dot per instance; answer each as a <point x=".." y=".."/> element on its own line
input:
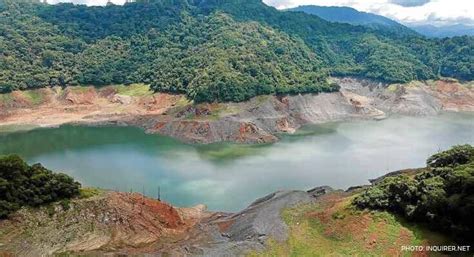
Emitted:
<point x="24" y="185"/>
<point x="443" y="196"/>
<point x="457" y="155"/>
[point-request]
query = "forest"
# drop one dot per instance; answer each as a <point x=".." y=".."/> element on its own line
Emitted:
<point x="25" y="185"/>
<point x="210" y="50"/>
<point x="441" y="196"/>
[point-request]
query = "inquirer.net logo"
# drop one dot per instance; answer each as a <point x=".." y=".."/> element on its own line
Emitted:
<point x="435" y="248"/>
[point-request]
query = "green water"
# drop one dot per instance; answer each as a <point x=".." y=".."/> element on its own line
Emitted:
<point x="228" y="177"/>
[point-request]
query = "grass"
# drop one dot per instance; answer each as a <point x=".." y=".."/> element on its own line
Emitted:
<point x="261" y="99"/>
<point x="79" y="89"/>
<point x="332" y="227"/>
<point x="414" y="84"/>
<point x="34" y="96"/>
<point x="89" y="192"/>
<point x="134" y="90"/>
<point x="216" y="110"/>
<point x="6" y="98"/>
<point x="392" y="88"/>
<point x="223" y="110"/>
<point x="183" y="101"/>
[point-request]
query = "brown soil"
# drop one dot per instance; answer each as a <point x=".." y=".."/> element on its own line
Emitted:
<point x="113" y="222"/>
<point x="454" y="96"/>
<point x="85" y="105"/>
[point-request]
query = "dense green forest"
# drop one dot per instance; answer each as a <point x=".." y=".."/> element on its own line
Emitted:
<point x="211" y="50"/>
<point x="442" y="196"/>
<point x="24" y="185"/>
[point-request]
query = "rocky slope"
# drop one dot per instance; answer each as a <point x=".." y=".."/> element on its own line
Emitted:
<point x="121" y="224"/>
<point x="109" y="222"/>
<point x="256" y="121"/>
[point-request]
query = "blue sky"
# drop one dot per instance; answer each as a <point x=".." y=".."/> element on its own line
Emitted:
<point x="435" y="12"/>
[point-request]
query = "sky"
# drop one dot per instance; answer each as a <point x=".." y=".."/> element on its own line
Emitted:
<point x="435" y="12"/>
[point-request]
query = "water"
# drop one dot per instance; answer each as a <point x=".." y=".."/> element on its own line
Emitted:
<point x="228" y="177"/>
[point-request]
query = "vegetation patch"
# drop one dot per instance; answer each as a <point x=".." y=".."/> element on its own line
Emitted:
<point x="333" y="227"/>
<point x="79" y="89"/>
<point x="6" y="99"/>
<point x="35" y="97"/>
<point x="25" y="185"/>
<point x="134" y="90"/>
<point x="89" y="192"/>
<point x="442" y="196"/>
<point x="393" y="88"/>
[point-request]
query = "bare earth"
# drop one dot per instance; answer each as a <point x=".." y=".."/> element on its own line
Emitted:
<point x="254" y="121"/>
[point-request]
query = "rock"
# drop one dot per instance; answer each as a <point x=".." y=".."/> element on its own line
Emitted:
<point x="248" y="230"/>
<point x="395" y="173"/>
<point x="262" y="217"/>
<point x="121" y="99"/>
<point x="319" y="191"/>
<point x="80" y="96"/>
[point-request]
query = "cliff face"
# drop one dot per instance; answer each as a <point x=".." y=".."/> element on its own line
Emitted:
<point x="254" y="121"/>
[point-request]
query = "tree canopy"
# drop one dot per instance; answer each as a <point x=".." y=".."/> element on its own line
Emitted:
<point x="210" y="50"/>
<point x="25" y="185"/>
<point x="442" y="196"/>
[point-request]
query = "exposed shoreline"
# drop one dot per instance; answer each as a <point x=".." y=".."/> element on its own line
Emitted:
<point x="131" y="224"/>
<point x="256" y="121"/>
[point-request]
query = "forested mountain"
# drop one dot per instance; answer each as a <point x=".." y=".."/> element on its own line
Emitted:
<point x="224" y="50"/>
<point x="444" y="31"/>
<point x="352" y="16"/>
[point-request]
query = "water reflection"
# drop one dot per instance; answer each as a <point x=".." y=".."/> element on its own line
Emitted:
<point x="228" y="177"/>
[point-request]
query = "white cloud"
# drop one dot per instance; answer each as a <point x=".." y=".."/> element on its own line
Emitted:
<point x="436" y="12"/>
<point x="405" y="11"/>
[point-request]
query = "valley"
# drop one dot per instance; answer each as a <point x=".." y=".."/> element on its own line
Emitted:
<point x="232" y="128"/>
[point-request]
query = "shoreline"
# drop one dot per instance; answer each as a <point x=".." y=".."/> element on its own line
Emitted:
<point x="258" y="120"/>
<point x="150" y="226"/>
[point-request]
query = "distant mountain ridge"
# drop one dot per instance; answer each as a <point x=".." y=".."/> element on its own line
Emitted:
<point x="352" y="16"/>
<point x="444" y="31"/>
<point x="343" y="14"/>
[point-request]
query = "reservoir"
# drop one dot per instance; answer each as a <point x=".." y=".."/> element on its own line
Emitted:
<point x="228" y="177"/>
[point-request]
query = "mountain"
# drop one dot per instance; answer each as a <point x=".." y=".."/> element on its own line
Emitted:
<point x="444" y="31"/>
<point x="352" y="16"/>
<point x="210" y="50"/>
<point x="355" y="17"/>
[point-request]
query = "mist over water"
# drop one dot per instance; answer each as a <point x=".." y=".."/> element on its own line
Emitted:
<point x="228" y="177"/>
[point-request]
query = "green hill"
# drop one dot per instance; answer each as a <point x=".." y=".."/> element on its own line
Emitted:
<point x="211" y="50"/>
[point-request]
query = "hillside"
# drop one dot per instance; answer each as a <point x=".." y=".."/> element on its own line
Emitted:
<point x="178" y="46"/>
